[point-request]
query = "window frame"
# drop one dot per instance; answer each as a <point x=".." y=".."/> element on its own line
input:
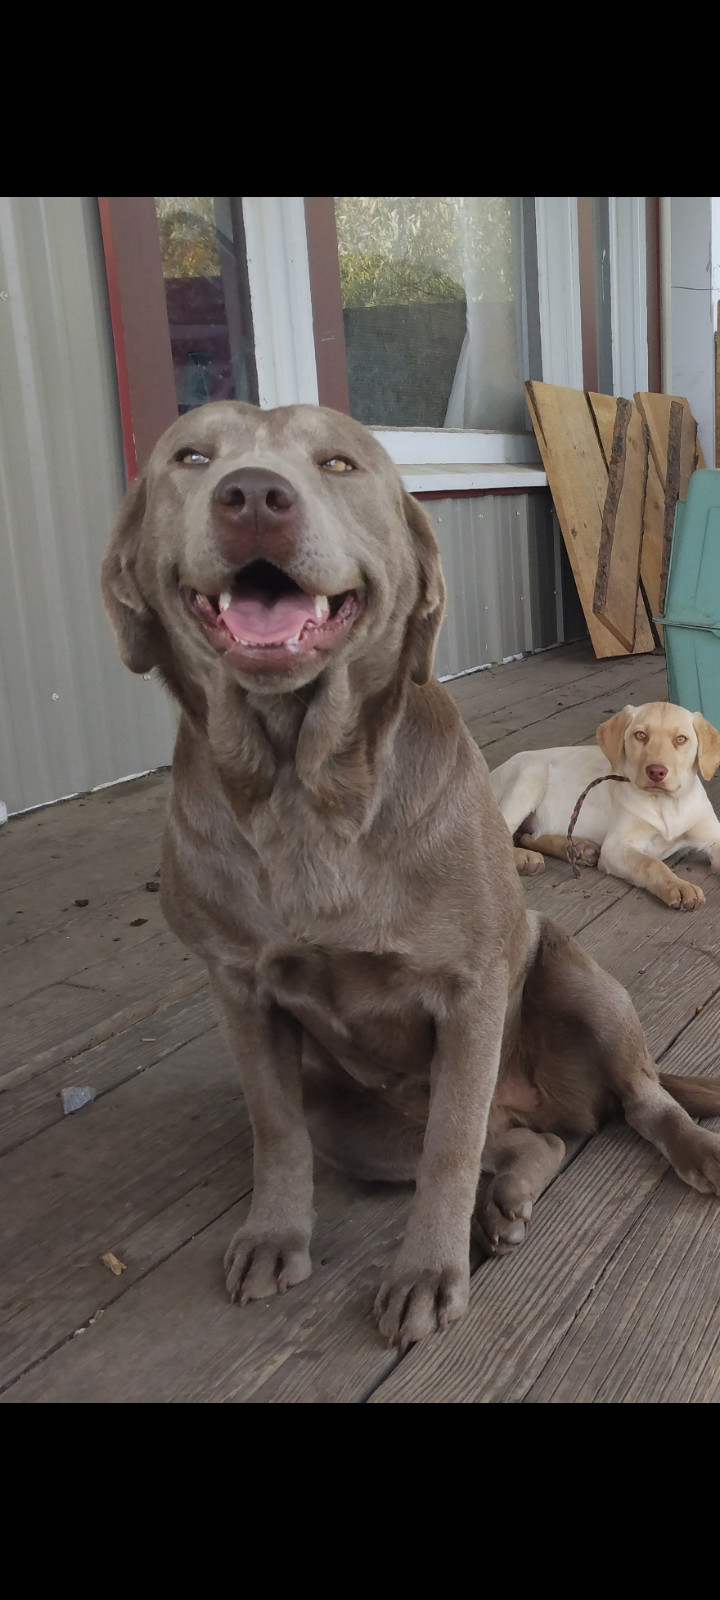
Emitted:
<point x="293" y="278"/>
<point x="140" y="329"/>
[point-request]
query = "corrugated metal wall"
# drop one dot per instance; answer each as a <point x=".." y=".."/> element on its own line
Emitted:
<point x="71" y="716"/>
<point x="502" y="560"/>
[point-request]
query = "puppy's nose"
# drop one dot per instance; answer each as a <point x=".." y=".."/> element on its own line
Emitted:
<point x="656" y="774"/>
<point x="255" y="495"/>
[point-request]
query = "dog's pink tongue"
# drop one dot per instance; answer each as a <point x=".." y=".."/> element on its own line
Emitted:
<point x="259" y="623"/>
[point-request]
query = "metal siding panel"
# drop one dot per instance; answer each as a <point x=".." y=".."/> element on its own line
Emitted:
<point x="541" y="572"/>
<point x="61" y="468"/>
<point x="498" y="558"/>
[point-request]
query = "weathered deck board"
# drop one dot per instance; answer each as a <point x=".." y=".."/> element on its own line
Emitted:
<point x="90" y="1183"/>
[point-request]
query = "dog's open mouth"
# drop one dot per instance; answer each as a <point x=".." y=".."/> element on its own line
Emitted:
<point x="265" y="616"/>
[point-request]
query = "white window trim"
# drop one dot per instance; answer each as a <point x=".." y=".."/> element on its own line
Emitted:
<point x="435" y="478"/>
<point x="628" y="293"/>
<point x="279" y="277"/>
<point x="666" y="292"/>
<point x="556" y="221"/>
<point x="456" y="446"/>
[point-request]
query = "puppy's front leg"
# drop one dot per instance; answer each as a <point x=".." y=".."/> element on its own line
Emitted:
<point x="622" y="860"/>
<point x="270" y="1252"/>
<point x="428" y="1283"/>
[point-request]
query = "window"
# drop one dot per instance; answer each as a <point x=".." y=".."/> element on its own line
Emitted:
<point x="179" y="307"/>
<point x="435" y="311"/>
<point x="420" y="315"/>
<point x="202" y="242"/>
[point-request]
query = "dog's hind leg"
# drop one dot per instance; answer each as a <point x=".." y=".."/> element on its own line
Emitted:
<point x="518" y="786"/>
<point x="567" y="982"/>
<point x="555" y="844"/>
<point x="523" y="1162"/>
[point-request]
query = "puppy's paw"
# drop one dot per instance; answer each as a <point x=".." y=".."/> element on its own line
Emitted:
<point x="528" y="862"/>
<point x="502" y="1215"/>
<point x="685" y="896"/>
<point x="260" y="1265"/>
<point x="587" y="852"/>
<point x="412" y="1304"/>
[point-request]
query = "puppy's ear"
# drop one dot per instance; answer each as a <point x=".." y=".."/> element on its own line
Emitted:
<point x="426" y="619"/>
<point x="708" y="740"/>
<point x="136" y="627"/>
<point x="610" y="735"/>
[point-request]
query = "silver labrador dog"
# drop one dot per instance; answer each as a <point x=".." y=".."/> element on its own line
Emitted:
<point x="335" y="855"/>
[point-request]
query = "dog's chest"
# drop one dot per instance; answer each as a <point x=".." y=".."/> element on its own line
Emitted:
<point x="367" y="1011"/>
<point x="313" y="883"/>
<point x="666" y="818"/>
<point x="325" y="920"/>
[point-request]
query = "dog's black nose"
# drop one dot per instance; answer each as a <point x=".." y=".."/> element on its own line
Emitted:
<point x="255" y="495"/>
<point x="256" y="513"/>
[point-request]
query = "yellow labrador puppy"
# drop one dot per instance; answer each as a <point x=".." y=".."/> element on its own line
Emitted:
<point x="628" y="829"/>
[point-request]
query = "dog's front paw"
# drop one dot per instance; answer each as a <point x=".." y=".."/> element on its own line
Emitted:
<point x="502" y="1215"/>
<point x="259" y="1265"/>
<point x="413" y="1303"/>
<point x="685" y="896"/>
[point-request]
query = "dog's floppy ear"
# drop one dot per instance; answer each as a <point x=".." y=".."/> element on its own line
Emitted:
<point x="708" y="740"/>
<point x="610" y="735"/>
<point x="426" y="619"/>
<point x="136" y="627"/>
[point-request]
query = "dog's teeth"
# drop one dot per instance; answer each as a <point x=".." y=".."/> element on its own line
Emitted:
<point x="295" y="638"/>
<point x="225" y="600"/>
<point x="322" y="605"/>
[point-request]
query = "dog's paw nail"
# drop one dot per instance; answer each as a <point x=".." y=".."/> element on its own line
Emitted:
<point x="526" y="1209"/>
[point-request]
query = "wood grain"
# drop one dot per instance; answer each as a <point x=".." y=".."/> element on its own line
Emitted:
<point x="651" y="558"/>
<point x="605" y="411"/>
<point x="577" y="476"/>
<point x="87" y="1185"/>
<point x="84" y="1001"/>
<point x="676" y="453"/>
<point x="618" y="568"/>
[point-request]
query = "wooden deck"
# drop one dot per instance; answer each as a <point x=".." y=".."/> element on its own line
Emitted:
<point x="616" y="1295"/>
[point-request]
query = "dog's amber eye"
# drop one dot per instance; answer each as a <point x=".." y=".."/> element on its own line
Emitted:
<point x="338" y="464"/>
<point x="681" y="739"/>
<point x="640" y="735"/>
<point x="193" y="458"/>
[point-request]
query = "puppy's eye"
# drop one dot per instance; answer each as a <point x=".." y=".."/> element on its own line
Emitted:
<point x="192" y="458"/>
<point x="681" y="739"/>
<point x="640" y="735"/>
<point x="337" y="464"/>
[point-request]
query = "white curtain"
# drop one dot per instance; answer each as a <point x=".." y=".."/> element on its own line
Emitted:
<point x="487" y="388"/>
